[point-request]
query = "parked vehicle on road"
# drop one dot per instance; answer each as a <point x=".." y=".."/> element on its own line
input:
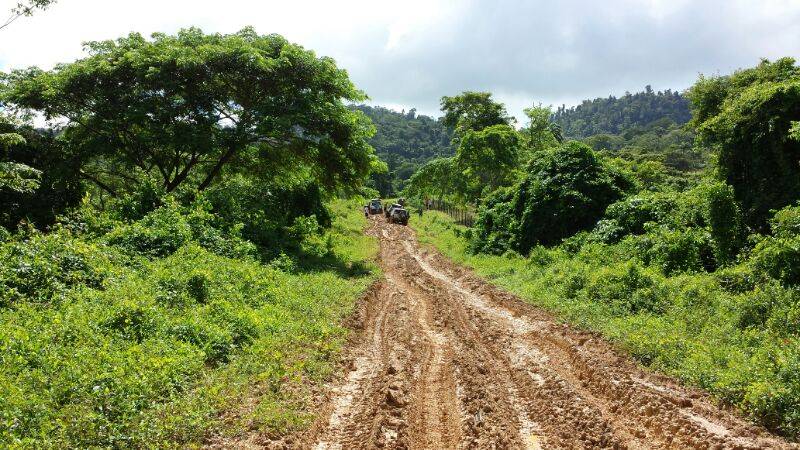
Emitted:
<point x="388" y="209"/>
<point x="399" y="215"/>
<point x="375" y="206"/>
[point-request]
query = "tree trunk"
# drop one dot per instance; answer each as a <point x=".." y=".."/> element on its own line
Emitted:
<point x="217" y="167"/>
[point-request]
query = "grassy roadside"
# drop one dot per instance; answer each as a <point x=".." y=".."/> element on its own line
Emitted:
<point x="127" y="351"/>
<point x="703" y="328"/>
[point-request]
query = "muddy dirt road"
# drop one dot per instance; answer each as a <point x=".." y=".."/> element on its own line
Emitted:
<point x="444" y="360"/>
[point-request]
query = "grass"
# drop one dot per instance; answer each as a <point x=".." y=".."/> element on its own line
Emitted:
<point x="721" y="331"/>
<point x="134" y="351"/>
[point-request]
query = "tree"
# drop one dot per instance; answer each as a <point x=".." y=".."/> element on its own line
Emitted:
<point x="26" y="9"/>
<point x="405" y="142"/>
<point x="565" y="190"/>
<point x="438" y="178"/>
<point x="489" y="155"/>
<point x="186" y="108"/>
<point x="746" y="119"/>
<point x="614" y="115"/>
<point x="473" y="111"/>
<point x="15" y="176"/>
<point x="541" y="132"/>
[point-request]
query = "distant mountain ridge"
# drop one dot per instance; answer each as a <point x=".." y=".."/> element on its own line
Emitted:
<point x="614" y="115"/>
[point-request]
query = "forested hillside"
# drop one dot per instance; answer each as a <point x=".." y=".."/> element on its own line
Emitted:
<point x="614" y="115"/>
<point x="404" y="141"/>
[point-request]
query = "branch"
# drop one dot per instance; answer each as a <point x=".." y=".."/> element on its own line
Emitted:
<point x="217" y="167"/>
<point x="179" y="178"/>
<point x="99" y="183"/>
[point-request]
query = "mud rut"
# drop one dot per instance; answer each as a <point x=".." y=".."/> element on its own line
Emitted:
<point x="444" y="360"/>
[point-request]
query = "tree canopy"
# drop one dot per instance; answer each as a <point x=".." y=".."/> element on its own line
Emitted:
<point x="614" y="115"/>
<point x="473" y="111"/>
<point x="489" y="155"/>
<point x="405" y="141"/>
<point x="565" y="190"/>
<point x="185" y="108"/>
<point x="747" y="119"/>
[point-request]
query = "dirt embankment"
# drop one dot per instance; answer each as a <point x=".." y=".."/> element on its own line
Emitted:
<point x="444" y="360"/>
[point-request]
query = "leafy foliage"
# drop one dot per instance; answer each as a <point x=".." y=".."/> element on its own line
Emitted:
<point x="488" y="155"/>
<point x="405" y="141"/>
<point x="746" y="118"/>
<point x="614" y="115"/>
<point x="140" y="336"/>
<point x="566" y="190"/>
<point x="473" y="111"/>
<point x="183" y="108"/>
<point x="41" y="177"/>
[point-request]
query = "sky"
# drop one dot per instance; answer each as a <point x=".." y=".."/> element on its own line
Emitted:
<point x="410" y="53"/>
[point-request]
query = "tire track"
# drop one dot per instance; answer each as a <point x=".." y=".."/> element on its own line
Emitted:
<point x="446" y="360"/>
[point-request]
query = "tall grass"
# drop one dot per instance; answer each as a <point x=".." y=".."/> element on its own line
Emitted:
<point x="104" y="347"/>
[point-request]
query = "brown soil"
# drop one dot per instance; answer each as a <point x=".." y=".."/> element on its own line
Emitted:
<point x="444" y="360"/>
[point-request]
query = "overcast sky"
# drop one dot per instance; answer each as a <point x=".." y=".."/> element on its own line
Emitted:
<point x="410" y="53"/>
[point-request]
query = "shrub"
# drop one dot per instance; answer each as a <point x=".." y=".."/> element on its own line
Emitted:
<point x="132" y="320"/>
<point x="42" y="267"/>
<point x="675" y="251"/>
<point x="145" y="197"/>
<point x="566" y="190"/>
<point x="721" y="213"/>
<point x="157" y="234"/>
<point x="628" y="287"/>
<point x="786" y="222"/>
<point x="772" y="306"/>
<point x="494" y="225"/>
<point x="163" y="231"/>
<point x="779" y="258"/>
<point x="197" y="286"/>
<point x="266" y="213"/>
<point x="630" y="215"/>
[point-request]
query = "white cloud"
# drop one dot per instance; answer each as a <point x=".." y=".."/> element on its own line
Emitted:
<point x="411" y="53"/>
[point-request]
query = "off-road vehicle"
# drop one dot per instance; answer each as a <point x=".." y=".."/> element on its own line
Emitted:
<point x="398" y="215"/>
<point x="388" y="209"/>
<point x="375" y="206"/>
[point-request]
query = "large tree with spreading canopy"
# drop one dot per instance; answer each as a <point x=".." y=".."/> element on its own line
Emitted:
<point x="183" y="109"/>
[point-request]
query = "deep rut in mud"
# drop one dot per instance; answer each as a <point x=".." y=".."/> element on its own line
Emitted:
<point x="445" y="360"/>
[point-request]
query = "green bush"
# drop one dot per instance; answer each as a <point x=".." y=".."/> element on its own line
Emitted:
<point x="630" y="215"/>
<point x="770" y="306"/>
<point x="42" y="267"/>
<point x="566" y="190"/>
<point x="786" y="222"/>
<point x="164" y="230"/>
<point x="267" y="214"/>
<point x="100" y="353"/>
<point x="158" y="234"/>
<point x="675" y="251"/>
<point x="779" y="258"/>
<point x="628" y="288"/>
<point x="721" y="213"/>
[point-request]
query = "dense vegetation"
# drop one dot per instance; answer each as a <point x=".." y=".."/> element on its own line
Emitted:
<point x="404" y="141"/>
<point x="614" y="115"/>
<point x="171" y="246"/>
<point x="139" y="333"/>
<point x="689" y="262"/>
